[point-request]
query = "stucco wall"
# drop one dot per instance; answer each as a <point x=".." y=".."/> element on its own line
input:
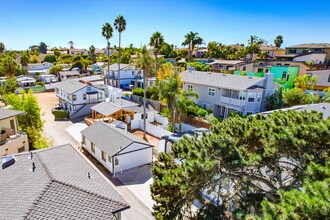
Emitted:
<point x="11" y="147"/>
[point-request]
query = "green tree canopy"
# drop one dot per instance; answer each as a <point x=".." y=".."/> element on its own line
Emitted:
<point x="31" y="123"/>
<point x="8" y="66"/>
<point x="51" y="58"/>
<point x="278" y="41"/>
<point x="55" y="69"/>
<point x="241" y="163"/>
<point x="2" y="47"/>
<point x="43" y="48"/>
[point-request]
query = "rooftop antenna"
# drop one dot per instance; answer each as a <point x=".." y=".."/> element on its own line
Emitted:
<point x="89" y="175"/>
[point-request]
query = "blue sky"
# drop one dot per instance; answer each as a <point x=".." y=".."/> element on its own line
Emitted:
<point x="24" y="23"/>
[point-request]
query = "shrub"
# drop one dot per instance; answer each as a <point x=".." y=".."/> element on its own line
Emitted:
<point x="138" y="91"/>
<point x="61" y="114"/>
<point x="202" y="112"/>
<point x="40" y="83"/>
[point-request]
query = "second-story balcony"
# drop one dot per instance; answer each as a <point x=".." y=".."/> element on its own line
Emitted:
<point x="232" y="101"/>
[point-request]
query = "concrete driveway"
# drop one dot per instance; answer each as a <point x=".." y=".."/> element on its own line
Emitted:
<point x="138" y="181"/>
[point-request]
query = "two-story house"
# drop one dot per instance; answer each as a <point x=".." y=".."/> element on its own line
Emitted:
<point x="218" y="65"/>
<point x="64" y="75"/>
<point x="12" y="140"/>
<point x="226" y="93"/>
<point x="316" y="49"/>
<point x="127" y="72"/>
<point x="77" y="97"/>
<point x="34" y="68"/>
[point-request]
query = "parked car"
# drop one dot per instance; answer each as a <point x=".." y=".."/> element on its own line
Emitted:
<point x="56" y="108"/>
<point x="128" y="87"/>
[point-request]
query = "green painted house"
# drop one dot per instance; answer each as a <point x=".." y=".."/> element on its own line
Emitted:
<point x="283" y="75"/>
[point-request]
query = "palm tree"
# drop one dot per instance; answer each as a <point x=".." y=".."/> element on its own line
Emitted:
<point x="156" y="41"/>
<point x="107" y="33"/>
<point x="92" y="53"/>
<point x="278" y="41"/>
<point x="71" y="44"/>
<point x="120" y="25"/>
<point x="2" y="47"/>
<point x="144" y="62"/>
<point x="191" y="39"/>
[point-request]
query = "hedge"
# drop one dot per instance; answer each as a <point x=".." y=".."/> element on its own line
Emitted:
<point x="61" y="114"/>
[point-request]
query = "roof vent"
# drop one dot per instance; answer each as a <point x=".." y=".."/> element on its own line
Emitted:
<point x="8" y="161"/>
<point x="89" y="175"/>
<point x="31" y="156"/>
<point x="250" y="77"/>
<point x="324" y="107"/>
<point x="224" y="74"/>
<point x="33" y="167"/>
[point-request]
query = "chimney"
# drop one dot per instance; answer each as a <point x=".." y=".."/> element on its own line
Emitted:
<point x="269" y="77"/>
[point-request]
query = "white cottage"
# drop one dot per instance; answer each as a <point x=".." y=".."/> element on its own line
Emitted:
<point x="114" y="148"/>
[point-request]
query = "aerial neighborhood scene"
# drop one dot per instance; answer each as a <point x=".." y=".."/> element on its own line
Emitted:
<point x="141" y="109"/>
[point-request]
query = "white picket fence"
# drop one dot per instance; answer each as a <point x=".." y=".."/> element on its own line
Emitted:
<point x="151" y="129"/>
<point x="161" y="120"/>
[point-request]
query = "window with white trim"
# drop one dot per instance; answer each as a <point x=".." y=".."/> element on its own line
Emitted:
<point x="211" y="92"/>
<point x="251" y="97"/>
<point x="242" y="96"/>
<point x="259" y="95"/>
<point x="190" y="87"/>
<point x="99" y="95"/>
<point x="84" y="96"/>
<point x="103" y="155"/>
<point x="74" y="97"/>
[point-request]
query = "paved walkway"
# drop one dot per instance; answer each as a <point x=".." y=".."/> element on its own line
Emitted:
<point x="60" y="132"/>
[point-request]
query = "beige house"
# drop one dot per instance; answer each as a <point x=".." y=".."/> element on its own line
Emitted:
<point x="323" y="77"/>
<point x="12" y="140"/>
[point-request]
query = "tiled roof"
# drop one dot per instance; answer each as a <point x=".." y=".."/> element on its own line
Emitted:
<point x="6" y="113"/>
<point x="58" y="188"/>
<point x="311" y="45"/>
<point x="110" y="139"/>
<point x="70" y="86"/>
<point x="219" y="80"/>
<point x="227" y="62"/>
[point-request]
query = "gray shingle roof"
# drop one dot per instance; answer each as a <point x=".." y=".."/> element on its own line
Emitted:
<point x="219" y="80"/>
<point x="320" y="107"/>
<point x="70" y="86"/>
<point x="6" y="113"/>
<point x="114" y="67"/>
<point x="71" y="73"/>
<point x="58" y="188"/>
<point x="227" y="62"/>
<point x="110" y="139"/>
<point x="311" y="45"/>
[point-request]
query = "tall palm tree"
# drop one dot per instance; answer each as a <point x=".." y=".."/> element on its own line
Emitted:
<point x="120" y="25"/>
<point x="156" y="41"/>
<point x="92" y="53"/>
<point x="278" y="41"/>
<point x="191" y="39"/>
<point x="107" y="33"/>
<point x="2" y="47"/>
<point x="144" y="62"/>
<point x="71" y="44"/>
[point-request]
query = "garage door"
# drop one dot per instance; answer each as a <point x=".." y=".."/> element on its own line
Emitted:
<point x="134" y="159"/>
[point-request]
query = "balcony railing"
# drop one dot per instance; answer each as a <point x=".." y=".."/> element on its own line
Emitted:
<point x="232" y="101"/>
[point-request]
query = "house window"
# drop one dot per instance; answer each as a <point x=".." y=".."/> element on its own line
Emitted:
<point x="206" y="106"/>
<point x="99" y="95"/>
<point x="92" y="147"/>
<point x="116" y="161"/>
<point x="74" y="97"/>
<point x="190" y="87"/>
<point x="242" y="96"/>
<point x="103" y="155"/>
<point x="287" y="76"/>
<point x="244" y="68"/>
<point x="142" y="116"/>
<point x="133" y="73"/>
<point x="259" y="95"/>
<point x="248" y="113"/>
<point x="283" y="75"/>
<point x="292" y="51"/>
<point x="329" y="78"/>
<point x="109" y="159"/>
<point x="260" y="70"/>
<point x="21" y="149"/>
<point x="57" y="90"/>
<point x="84" y="96"/>
<point x="267" y="71"/>
<point x="251" y="97"/>
<point x="211" y="92"/>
